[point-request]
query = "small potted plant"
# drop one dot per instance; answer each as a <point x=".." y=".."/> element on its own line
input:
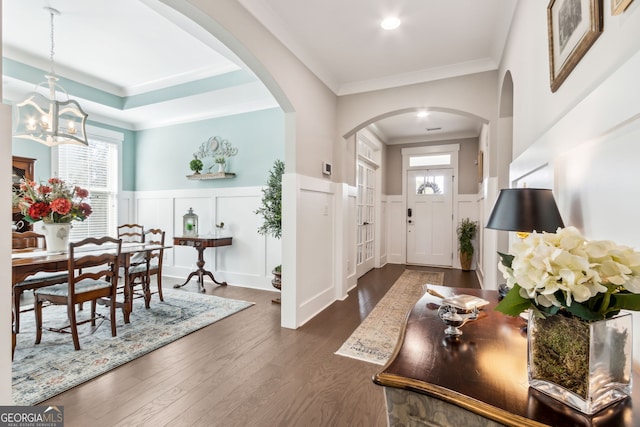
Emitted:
<point x="467" y="230"/>
<point x="220" y="161"/>
<point x="196" y="165"/>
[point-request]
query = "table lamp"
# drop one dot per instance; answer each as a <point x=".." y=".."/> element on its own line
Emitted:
<point x="525" y="210"/>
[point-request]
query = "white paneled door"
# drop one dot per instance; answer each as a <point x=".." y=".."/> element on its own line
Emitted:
<point x="365" y="218"/>
<point x="430" y="217"/>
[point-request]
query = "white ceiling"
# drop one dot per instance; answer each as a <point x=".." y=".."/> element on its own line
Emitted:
<point x="130" y="47"/>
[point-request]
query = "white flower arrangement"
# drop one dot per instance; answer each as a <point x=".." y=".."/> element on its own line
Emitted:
<point x="550" y="272"/>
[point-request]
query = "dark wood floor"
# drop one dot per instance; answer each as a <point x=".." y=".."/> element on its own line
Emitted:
<point x="248" y="371"/>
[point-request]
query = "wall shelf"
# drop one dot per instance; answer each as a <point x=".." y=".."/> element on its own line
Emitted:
<point x="213" y="175"/>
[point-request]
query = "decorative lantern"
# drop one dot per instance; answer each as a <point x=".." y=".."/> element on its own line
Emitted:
<point x="190" y="224"/>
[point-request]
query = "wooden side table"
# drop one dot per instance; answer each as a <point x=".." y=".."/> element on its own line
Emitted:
<point x="200" y="244"/>
<point x="478" y="379"/>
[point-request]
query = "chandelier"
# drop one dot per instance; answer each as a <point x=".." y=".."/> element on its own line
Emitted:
<point x="47" y="120"/>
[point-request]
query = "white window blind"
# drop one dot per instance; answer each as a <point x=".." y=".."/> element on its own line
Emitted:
<point x="95" y="168"/>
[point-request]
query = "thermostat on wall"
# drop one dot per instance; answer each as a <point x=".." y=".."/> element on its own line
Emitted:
<point x="326" y="168"/>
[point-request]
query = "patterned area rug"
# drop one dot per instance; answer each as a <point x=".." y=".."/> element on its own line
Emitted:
<point x="53" y="366"/>
<point x="375" y="339"/>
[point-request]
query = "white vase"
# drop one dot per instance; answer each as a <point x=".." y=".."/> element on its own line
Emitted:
<point x="221" y="167"/>
<point x="56" y="236"/>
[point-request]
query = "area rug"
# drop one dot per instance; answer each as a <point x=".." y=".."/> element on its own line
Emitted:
<point x="53" y="366"/>
<point x="374" y="340"/>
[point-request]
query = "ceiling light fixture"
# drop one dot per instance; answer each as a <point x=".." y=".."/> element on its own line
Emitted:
<point x="390" y="23"/>
<point x="47" y="120"/>
<point x="422" y="113"/>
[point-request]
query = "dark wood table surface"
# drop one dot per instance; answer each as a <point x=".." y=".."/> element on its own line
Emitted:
<point x="25" y="263"/>
<point x="485" y="370"/>
<point x="200" y="243"/>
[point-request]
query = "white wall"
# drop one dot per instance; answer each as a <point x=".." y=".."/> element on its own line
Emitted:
<point x="586" y="134"/>
<point x="5" y="253"/>
<point x="526" y="56"/>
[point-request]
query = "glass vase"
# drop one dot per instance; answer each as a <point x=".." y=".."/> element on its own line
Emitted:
<point x="585" y="365"/>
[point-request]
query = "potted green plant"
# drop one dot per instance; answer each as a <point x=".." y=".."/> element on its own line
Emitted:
<point x="271" y="211"/>
<point x="467" y="230"/>
<point x="196" y="165"/>
<point x="220" y="161"/>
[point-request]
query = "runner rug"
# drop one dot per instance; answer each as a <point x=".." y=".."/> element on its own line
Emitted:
<point x="375" y="339"/>
<point x="53" y="366"/>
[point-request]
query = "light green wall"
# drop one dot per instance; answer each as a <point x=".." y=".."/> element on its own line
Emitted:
<point x="158" y="159"/>
<point x="163" y="154"/>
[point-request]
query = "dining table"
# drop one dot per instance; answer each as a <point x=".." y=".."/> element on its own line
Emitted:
<point x="29" y="262"/>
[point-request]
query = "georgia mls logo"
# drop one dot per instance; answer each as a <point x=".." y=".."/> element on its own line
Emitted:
<point x="31" y="416"/>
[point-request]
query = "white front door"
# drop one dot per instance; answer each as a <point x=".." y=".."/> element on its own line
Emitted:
<point x="430" y="217"/>
<point x="365" y="218"/>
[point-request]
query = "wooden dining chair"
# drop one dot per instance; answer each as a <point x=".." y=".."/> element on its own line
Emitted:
<point x="24" y="241"/>
<point x="140" y="273"/>
<point x="92" y="275"/>
<point x="131" y="233"/>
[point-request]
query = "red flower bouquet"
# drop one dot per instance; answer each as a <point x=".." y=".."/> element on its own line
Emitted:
<point x="54" y="202"/>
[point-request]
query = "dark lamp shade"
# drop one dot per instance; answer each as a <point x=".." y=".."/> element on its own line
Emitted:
<point x="525" y="210"/>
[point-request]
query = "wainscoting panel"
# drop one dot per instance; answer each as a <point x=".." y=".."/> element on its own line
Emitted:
<point x="351" y="228"/>
<point x="247" y="262"/>
<point x="126" y="207"/>
<point x="315" y="263"/>
<point x="396" y="233"/>
<point x="158" y="213"/>
<point x="381" y="244"/>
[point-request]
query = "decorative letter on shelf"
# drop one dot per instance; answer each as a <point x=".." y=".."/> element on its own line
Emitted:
<point x="219" y="150"/>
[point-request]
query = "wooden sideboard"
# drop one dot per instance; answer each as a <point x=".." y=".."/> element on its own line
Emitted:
<point x="479" y="379"/>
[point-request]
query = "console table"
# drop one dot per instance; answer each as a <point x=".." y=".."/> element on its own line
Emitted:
<point x="479" y="379"/>
<point x="200" y="244"/>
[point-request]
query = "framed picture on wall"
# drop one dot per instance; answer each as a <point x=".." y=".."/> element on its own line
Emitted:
<point x="619" y="6"/>
<point x="573" y="26"/>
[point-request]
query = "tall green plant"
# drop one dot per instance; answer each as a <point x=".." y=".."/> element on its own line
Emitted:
<point x="271" y="209"/>
<point x="466" y="232"/>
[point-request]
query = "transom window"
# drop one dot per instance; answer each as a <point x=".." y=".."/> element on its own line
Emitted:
<point x="430" y="160"/>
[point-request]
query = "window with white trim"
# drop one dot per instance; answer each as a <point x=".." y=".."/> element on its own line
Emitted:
<point x="94" y="168"/>
<point x="430" y="160"/>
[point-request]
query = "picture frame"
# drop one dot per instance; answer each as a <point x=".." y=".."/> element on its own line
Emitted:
<point x="619" y="6"/>
<point x="573" y="27"/>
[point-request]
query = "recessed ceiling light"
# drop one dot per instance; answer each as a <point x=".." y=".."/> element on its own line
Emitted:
<point x="390" y="23"/>
<point x="422" y="113"/>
